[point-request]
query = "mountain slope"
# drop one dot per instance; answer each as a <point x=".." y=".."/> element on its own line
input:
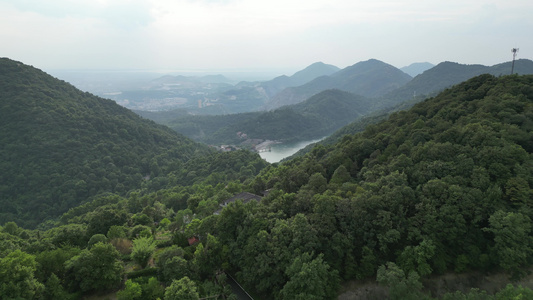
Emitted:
<point x="311" y="72"/>
<point x="370" y="78"/>
<point x="272" y="87"/>
<point x="318" y="116"/>
<point x="59" y="146"/>
<point x="445" y="75"/>
<point x="445" y="186"/>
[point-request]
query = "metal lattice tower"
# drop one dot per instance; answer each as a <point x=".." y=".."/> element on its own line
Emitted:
<point x="514" y="50"/>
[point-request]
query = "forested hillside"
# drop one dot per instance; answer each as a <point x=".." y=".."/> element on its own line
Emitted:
<point x="443" y="187"/>
<point x="304" y="76"/>
<point x="60" y="146"/>
<point x="430" y="83"/>
<point x="445" y="75"/>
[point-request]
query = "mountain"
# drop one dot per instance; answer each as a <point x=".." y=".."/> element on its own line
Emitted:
<point x="429" y="83"/>
<point x="521" y="67"/>
<point x="316" y="117"/>
<point x="311" y="72"/>
<point x="443" y="187"/>
<point x="371" y="78"/>
<point x="274" y="86"/>
<point x="431" y="200"/>
<point x="417" y="68"/>
<point x="445" y="75"/>
<point x="60" y="146"/>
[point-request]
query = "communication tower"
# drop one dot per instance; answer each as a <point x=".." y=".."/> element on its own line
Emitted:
<point x="514" y="50"/>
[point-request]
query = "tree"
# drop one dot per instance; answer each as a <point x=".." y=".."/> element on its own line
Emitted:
<point x="96" y="269"/>
<point x="97" y="238"/>
<point x="517" y="190"/>
<point x="71" y="234"/>
<point x="143" y="248"/>
<point x="17" y="278"/>
<point x="512" y="292"/>
<point x="318" y="183"/>
<point x="102" y="218"/>
<point x="512" y="239"/>
<point x="140" y="231"/>
<point x="53" y="290"/>
<point x="400" y="286"/>
<point x="174" y="268"/>
<point x="417" y="258"/>
<point x="163" y="224"/>
<point x="53" y="261"/>
<point x="170" y="264"/>
<point x="131" y="291"/>
<point x="183" y="289"/>
<point x="12" y="228"/>
<point x="116" y="232"/>
<point x="340" y="176"/>
<point x="208" y="258"/>
<point x="310" y="279"/>
<point x="152" y="290"/>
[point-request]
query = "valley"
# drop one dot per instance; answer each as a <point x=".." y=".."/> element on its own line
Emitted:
<point x="268" y="150"/>
<point x="99" y="201"/>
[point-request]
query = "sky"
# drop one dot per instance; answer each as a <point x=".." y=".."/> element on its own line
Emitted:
<point x="260" y="34"/>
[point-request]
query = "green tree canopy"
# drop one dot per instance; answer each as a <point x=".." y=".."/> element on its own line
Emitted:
<point x="96" y="269"/>
<point x="183" y="289"/>
<point x="142" y="251"/>
<point x="17" y="279"/>
<point x="310" y="279"/>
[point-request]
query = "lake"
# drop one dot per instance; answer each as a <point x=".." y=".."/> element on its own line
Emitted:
<point x="280" y="151"/>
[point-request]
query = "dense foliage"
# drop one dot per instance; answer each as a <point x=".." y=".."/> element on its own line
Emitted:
<point x="433" y="189"/>
<point x="60" y="147"/>
<point x="443" y="187"/>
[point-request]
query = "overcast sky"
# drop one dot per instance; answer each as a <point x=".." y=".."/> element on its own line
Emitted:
<point x="260" y="34"/>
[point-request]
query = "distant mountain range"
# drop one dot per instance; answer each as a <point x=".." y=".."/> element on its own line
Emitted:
<point x="372" y="78"/>
<point x="301" y="77"/>
<point x="261" y="92"/>
<point x="417" y="68"/>
<point x="212" y="94"/>
<point x="386" y="88"/>
<point x="429" y="83"/>
<point x="447" y="74"/>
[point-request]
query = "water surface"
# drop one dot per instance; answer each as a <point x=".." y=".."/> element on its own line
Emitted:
<point x="280" y="151"/>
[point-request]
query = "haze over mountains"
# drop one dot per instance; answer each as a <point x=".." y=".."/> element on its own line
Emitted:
<point x="441" y="188"/>
<point x="385" y="87"/>
<point x="218" y="94"/>
<point x="371" y="78"/>
<point x="301" y="77"/>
